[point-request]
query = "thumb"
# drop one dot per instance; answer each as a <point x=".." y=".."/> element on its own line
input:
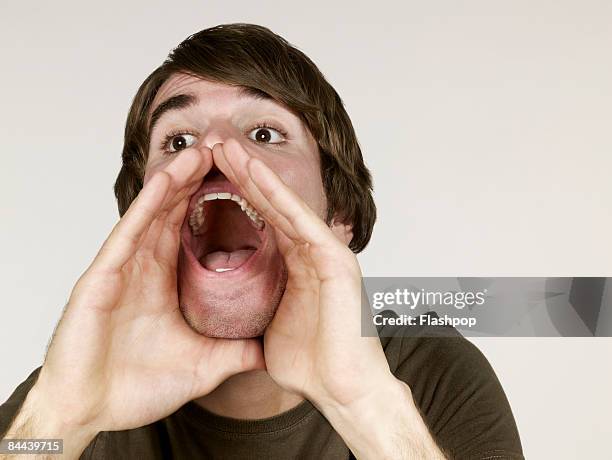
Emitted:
<point x="228" y="357"/>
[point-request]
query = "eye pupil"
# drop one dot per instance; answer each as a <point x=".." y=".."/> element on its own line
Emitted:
<point x="263" y="135"/>
<point x="179" y="143"/>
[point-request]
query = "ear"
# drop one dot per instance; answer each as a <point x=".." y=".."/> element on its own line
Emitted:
<point x="344" y="232"/>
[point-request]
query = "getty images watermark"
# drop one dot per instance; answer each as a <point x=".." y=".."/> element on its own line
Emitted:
<point x="404" y="298"/>
<point x="489" y="307"/>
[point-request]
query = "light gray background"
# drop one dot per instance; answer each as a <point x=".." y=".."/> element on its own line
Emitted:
<point x="486" y="125"/>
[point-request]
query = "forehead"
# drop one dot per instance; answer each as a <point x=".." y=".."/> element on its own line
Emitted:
<point x="206" y="91"/>
<point x="179" y="83"/>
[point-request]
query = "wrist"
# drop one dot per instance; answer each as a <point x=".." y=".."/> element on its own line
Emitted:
<point x="385" y="423"/>
<point x="38" y="420"/>
<point x="380" y="395"/>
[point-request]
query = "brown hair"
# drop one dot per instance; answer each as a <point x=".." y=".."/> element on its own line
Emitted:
<point x="252" y="56"/>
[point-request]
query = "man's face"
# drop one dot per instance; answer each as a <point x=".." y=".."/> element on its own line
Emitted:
<point x="231" y="275"/>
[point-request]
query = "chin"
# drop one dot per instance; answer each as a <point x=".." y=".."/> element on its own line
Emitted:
<point x="231" y="276"/>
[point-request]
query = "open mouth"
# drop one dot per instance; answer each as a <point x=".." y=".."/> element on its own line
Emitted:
<point x="230" y="273"/>
<point x="224" y="231"/>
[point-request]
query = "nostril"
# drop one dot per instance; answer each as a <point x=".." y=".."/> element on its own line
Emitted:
<point x="214" y="175"/>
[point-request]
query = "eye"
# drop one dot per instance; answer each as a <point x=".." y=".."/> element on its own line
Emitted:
<point x="267" y="135"/>
<point x="177" y="142"/>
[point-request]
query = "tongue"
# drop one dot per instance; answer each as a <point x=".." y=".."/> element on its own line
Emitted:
<point x="223" y="261"/>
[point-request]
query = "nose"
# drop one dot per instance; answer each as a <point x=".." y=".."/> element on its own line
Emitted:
<point x="217" y="132"/>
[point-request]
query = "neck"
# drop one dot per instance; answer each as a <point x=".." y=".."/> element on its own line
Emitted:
<point x="250" y="395"/>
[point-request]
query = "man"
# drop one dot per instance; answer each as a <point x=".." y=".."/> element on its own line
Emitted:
<point x="221" y="317"/>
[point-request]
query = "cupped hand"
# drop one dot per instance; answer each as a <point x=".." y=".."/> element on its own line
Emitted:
<point x="122" y="355"/>
<point x="314" y="345"/>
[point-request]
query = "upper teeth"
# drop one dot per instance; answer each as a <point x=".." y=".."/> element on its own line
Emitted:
<point x="196" y="219"/>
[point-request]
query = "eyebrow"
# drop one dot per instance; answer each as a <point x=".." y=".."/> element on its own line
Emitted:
<point x="178" y="102"/>
<point x="183" y="101"/>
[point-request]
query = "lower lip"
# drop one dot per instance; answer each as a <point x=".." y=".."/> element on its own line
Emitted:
<point x="242" y="269"/>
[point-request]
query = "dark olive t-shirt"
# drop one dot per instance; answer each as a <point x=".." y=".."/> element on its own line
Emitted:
<point x="452" y="383"/>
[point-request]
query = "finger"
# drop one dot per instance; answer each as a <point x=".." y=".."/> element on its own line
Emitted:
<point x="233" y="157"/>
<point x="278" y="196"/>
<point x="168" y="242"/>
<point x="125" y="237"/>
<point x="148" y="241"/>
<point x="220" y="161"/>
<point x="187" y="171"/>
<point x="170" y="237"/>
<point x="158" y="195"/>
<point x="329" y="256"/>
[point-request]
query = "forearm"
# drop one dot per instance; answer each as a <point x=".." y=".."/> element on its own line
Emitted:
<point x="388" y="425"/>
<point x="36" y="421"/>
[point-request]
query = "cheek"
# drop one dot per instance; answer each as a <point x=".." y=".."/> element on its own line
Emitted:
<point x="154" y="165"/>
<point x="303" y="176"/>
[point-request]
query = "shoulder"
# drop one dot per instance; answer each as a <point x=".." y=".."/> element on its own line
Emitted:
<point x="458" y="394"/>
<point x="437" y="354"/>
<point x="442" y="368"/>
